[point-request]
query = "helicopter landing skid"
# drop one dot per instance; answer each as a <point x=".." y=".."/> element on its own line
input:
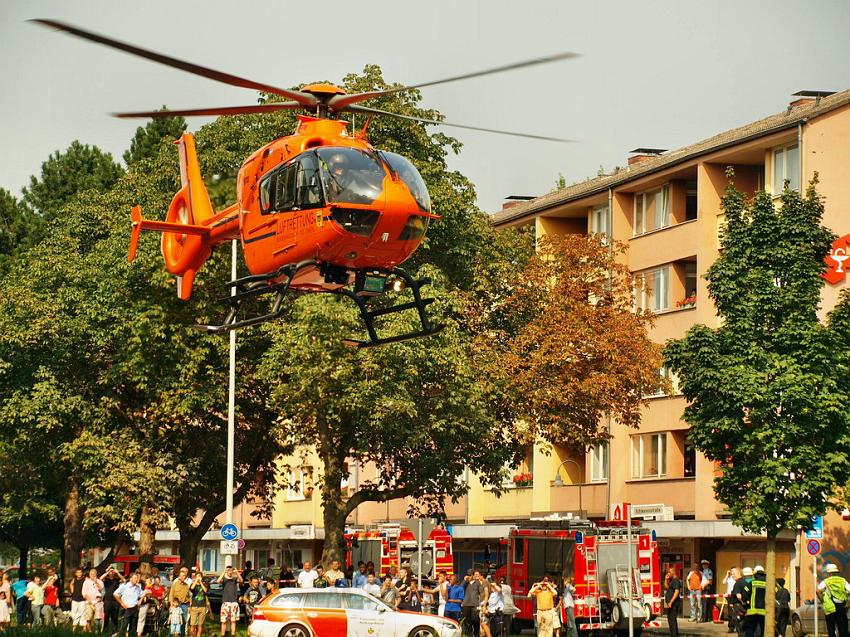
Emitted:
<point x="253" y="286"/>
<point x="257" y="285"/>
<point x="368" y="316"/>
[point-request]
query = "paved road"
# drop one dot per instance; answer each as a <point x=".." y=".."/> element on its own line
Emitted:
<point x="687" y="628"/>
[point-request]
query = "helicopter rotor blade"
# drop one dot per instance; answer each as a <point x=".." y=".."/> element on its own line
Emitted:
<point x="216" y="110"/>
<point x="339" y="102"/>
<point x="374" y="111"/>
<point x="304" y="99"/>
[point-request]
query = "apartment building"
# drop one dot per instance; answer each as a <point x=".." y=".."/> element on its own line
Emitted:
<point x="666" y="205"/>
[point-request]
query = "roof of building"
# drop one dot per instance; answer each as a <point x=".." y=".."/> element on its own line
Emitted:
<point x="774" y="123"/>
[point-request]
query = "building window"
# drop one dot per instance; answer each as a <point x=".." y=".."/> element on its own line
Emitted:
<point x="786" y="165"/>
<point x="599" y="463"/>
<point x="690" y="460"/>
<point x="295" y="484"/>
<point x="664" y="373"/>
<point x="599" y="222"/>
<point x="653" y="291"/>
<point x="690" y="200"/>
<point x="691" y="278"/>
<point x="649" y="456"/>
<point x="652" y="210"/>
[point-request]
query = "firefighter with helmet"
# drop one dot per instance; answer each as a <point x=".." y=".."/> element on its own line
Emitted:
<point x="738" y="601"/>
<point x="833" y="592"/>
<point x="754" y="596"/>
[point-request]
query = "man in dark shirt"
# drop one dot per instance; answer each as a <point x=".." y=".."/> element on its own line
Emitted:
<point x="252" y="596"/>
<point x="783" y="607"/>
<point x="473" y="589"/>
<point x="741" y="598"/>
<point x="673" y="598"/>
<point x="111" y="581"/>
<point x="78" y="602"/>
<point x="230" y="580"/>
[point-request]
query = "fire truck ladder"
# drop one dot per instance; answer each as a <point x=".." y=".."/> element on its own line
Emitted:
<point x="593" y="576"/>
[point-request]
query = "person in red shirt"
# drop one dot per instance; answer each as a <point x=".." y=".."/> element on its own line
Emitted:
<point x="156" y="589"/>
<point x="51" y="597"/>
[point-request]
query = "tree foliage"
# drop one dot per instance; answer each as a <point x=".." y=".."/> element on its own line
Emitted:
<point x="19" y="226"/>
<point x="567" y="345"/>
<point x="81" y="167"/>
<point x="150" y="137"/>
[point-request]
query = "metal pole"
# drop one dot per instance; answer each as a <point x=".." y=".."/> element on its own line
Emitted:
<point x="419" y="553"/>
<point x="628" y="510"/>
<point x="231" y="410"/>
<point x="815" y="578"/>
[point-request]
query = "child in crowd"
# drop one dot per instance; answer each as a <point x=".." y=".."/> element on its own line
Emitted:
<point x="175" y="618"/>
<point x="5" y="612"/>
<point x="98" y="613"/>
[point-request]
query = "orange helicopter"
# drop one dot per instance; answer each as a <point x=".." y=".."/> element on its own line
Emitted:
<point x="320" y="210"/>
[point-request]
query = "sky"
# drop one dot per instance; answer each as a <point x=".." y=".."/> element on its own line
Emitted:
<point x="652" y="73"/>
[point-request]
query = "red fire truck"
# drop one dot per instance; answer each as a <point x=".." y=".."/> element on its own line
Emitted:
<point x="595" y="555"/>
<point x="395" y="545"/>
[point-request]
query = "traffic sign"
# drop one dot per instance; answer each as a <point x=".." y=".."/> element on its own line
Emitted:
<point x="813" y="547"/>
<point x="229" y="547"/>
<point x="241" y="544"/>
<point x="817" y="529"/>
<point x="229" y="532"/>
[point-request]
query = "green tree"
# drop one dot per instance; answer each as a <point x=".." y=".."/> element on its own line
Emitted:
<point x="81" y="167"/>
<point x="98" y="370"/>
<point x="420" y="411"/>
<point x="148" y="138"/>
<point x="767" y="390"/>
<point x="19" y="226"/>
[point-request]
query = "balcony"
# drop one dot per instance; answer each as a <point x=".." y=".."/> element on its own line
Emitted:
<point x="514" y="504"/>
<point x="666" y="245"/>
<point x="679" y="493"/>
<point x="588" y="498"/>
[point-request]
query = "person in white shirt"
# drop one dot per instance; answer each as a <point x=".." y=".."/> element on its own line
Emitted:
<point x="307" y="576"/>
<point x="371" y="586"/>
<point x="569" y="604"/>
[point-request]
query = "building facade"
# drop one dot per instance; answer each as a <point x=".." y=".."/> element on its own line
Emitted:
<point x="666" y="206"/>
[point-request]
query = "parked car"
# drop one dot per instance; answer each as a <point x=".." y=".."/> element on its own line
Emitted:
<point x="803" y="620"/>
<point x="341" y="612"/>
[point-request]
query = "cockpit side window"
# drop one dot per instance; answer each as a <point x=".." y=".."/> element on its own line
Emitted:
<point x="295" y="186"/>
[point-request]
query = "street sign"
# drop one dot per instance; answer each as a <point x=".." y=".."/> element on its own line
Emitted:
<point x="426" y="525"/>
<point x="229" y="547"/>
<point x="241" y="544"/>
<point x="813" y="547"/>
<point x="229" y="532"/>
<point x="817" y="529"/>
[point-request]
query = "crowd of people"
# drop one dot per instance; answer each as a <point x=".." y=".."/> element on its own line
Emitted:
<point x="116" y="605"/>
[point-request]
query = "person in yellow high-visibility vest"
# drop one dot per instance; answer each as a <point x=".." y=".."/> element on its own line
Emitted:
<point x="834" y="591"/>
<point x="755" y="593"/>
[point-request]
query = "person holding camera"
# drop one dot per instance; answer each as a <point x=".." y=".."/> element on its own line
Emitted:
<point x="544" y="593"/>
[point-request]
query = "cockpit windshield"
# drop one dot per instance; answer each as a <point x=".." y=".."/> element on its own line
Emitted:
<point x="350" y="175"/>
<point x="411" y="178"/>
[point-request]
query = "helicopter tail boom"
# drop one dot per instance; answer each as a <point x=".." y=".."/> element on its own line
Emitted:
<point x="191" y="226"/>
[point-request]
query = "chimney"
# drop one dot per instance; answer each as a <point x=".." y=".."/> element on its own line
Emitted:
<point x="515" y="200"/>
<point x="804" y="98"/>
<point x="644" y="154"/>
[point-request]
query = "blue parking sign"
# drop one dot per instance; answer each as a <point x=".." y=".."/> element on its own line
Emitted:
<point x="816" y="532"/>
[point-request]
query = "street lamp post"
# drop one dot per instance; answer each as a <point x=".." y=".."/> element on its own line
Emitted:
<point x="558" y="482"/>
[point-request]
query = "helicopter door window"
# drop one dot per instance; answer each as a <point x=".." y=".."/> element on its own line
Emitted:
<point x="308" y="188"/>
<point x="266" y="188"/>
<point x="284" y="190"/>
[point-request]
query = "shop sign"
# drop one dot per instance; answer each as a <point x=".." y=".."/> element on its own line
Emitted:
<point x="835" y="266"/>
